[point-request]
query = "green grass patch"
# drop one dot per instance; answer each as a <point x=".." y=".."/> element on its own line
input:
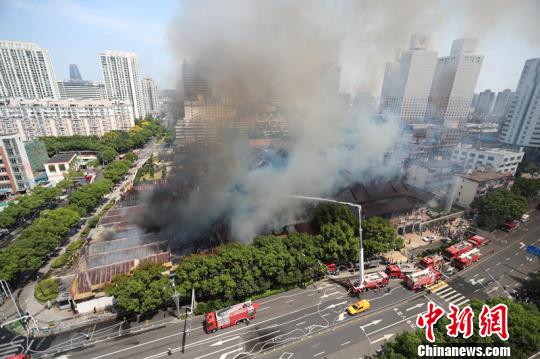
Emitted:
<point x="46" y="290"/>
<point x="60" y="261"/>
<point x="75" y="246"/>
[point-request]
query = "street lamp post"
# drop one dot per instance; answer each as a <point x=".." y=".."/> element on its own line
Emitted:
<point x="360" y="244"/>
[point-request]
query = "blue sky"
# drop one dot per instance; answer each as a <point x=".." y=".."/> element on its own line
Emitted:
<point x="77" y="31"/>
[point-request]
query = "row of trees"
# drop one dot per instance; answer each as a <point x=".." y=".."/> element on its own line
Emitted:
<point x="497" y="207"/>
<point x="238" y="271"/>
<point x="28" y="205"/>
<point x="86" y="198"/>
<point x="46" y="233"/>
<point x="526" y="187"/>
<point x="112" y="143"/>
<point x="523" y="326"/>
<point x="116" y="170"/>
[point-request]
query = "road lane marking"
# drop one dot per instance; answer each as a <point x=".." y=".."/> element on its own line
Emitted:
<point x="466" y="300"/>
<point x="224" y="355"/>
<point x="320" y="353"/>
<point x="202" y="340"/>
<point x="384" y="337"/>
<point x="373" y="322"/>
<point x="416" y="306"/>
<point x="492" y="290"/>
<point x="221" y="341"/>
<point x="341" y="317"/>
<point x="347" y="342"/>
<point x="498" y="264"/>
<point x="247" y="341"/>
<point x="264" y="308"/>
<point x="286" y="355"/>
<point x="301" y="323"/>
<point x="290" y="301"/>
<point x="507" y="259"/>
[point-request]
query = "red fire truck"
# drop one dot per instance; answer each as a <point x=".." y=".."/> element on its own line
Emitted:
<point x="371" y="281"/>
<point x="467" y="259"/>
<point x="457" y="249"/>
<point x="421" y="278"/>
<point x="400" y="270"/>
<point x="478" y="241"/>
<point x="238" y="313"/>
<point x="434" y="261"/>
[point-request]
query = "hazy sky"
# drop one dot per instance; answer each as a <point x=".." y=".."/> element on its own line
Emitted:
<point x="75" y="31"/>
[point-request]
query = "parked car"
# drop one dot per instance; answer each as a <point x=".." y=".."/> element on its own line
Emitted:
<point x="429" y="239"/>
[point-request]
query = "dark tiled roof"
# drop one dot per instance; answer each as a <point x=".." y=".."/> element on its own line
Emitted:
<point x="61" y="157"/>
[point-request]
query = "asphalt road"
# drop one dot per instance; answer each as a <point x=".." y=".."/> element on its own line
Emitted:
<point x="311" y="322"/>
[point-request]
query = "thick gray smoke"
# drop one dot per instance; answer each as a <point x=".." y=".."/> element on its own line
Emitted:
<point x="362" y="35"/>
<point x="257" y="49"/>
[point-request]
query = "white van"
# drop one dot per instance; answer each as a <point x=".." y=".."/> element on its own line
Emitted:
<point x="525" y="218"/>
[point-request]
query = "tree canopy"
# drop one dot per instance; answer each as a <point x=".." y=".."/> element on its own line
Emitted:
<point x="29" y="205"/>
<point x="27" y="253"/>
<point x="526" y="187"/>
<point x="144" y="291"/>
<point x="497" y="207"/>
<point x="111" y="143"/>
<point x="379" y="236"/>
<point x="326" y="213"/>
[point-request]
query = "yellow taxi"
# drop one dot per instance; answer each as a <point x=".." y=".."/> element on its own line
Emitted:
<point x="358" y="307"/>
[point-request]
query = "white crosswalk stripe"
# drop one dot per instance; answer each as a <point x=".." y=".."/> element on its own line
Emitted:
<point x="11" y="347"/>
<point x="445" y="290"/>
<point x="452" y="296"/>
<point x="465" y="301"/>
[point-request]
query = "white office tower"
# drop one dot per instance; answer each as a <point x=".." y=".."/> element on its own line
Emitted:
<point x="122" y="81"/>
<point x="485" y="101"/>
<point x="151" y="96"/>
<point x="453" y="85"/>
<point x="33" y="118"/>
<point x="26" y="71"/>
<point x="407" y="82"/>
<point x="522" y="125"/>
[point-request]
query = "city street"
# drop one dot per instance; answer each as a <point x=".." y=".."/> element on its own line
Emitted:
<point x="311" y="322"/>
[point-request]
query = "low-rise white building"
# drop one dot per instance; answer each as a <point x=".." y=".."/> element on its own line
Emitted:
<point x="469" y="186"/>
<point x="497" y="159"/>
<point x="59" y="165"/>
<point x="33" y="118"/>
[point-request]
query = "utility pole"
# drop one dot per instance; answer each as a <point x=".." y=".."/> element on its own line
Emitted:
<point x="176" y="299"/>
<point x="360" y="244"/>
<point x="7" y="292"/>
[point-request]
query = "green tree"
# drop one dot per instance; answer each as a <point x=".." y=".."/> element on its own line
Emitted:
<point x="497" y="207"/>
<point x="338" y="242"/>
<point x="379" y="236"/>
<point x="526" y="187"/>
<point x="107" y="154"/>
<point x="142" y="292"/>
<point x="326" y="213"/>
